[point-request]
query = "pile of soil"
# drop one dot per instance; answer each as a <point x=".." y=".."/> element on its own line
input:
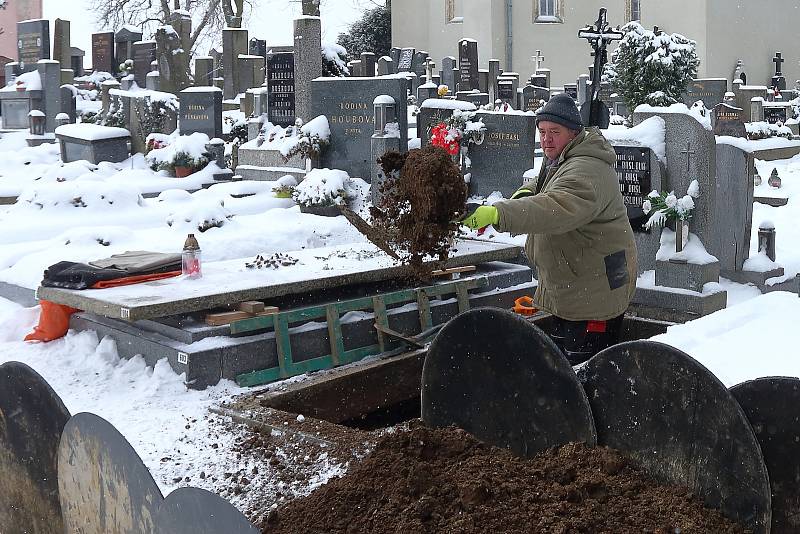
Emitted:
<point x="422" y="196"/>
<point x="444" y="480"/>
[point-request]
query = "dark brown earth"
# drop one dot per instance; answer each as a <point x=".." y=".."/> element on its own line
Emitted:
<point x="444" y="480"/>
<point x="423" y="195"/>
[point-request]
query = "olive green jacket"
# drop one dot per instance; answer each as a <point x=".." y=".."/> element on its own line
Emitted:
<point x="579" y="236"/>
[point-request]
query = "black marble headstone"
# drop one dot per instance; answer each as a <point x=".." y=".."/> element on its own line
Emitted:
<point x="728" y="121"/>
<point x="404" y="59"/>
<point x="258" y="47"/>
<point x="33" y="43"/>
<point x="503" y="380"/>
<point x="197" y="511"/>
<point x="201" y="111"/>
<point x="533" y="98"/>
<point x="674" y="417"/>
<point x="281" y="89"/>
<point x="771" y="405"/>
<point x="103" y="59"/>
<point x="775" y="114"/>
<point x="103" y="484"/>
<point x="32" y="418"/>
<point x="633" y="173"/>
<point x="505" y="92"/>
<point x="468" y="64"/>
<point x="506" y="154"/>
<point x="418" y="63"/>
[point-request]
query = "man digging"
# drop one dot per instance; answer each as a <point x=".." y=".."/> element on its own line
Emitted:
<point x="579" y="236"/>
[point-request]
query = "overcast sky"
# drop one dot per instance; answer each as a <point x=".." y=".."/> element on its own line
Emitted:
<point x="272" y="21"/>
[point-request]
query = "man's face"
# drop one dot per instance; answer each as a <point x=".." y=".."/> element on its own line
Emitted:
<point x="554" y="137"/>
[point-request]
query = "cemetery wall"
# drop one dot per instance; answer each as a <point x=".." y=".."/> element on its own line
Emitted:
<point x="15" y="12"/>
<point x="753" y="33"/>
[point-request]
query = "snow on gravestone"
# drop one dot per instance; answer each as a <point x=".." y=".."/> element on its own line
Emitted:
<point x="348" y="104"/>
<point x="32" y="417"/>
<point x="639" y="391"/>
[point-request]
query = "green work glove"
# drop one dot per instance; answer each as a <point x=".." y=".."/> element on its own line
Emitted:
<point x="522" y="193"/>
<point x="482" y="217"/>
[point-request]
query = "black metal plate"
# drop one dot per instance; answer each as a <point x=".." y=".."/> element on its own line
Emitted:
<point x="197" y="511"/>
<point x="32" y="417"/>
<point x="675" y="418"/>
<point x="772" y="405"/>
<point x="103" y="485"/>
<point x="503" y="380"/>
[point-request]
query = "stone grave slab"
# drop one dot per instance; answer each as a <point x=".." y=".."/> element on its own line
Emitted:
<point x="499" y="163"/>
<point x="775" y="113"/>
<point x="280" y="88"/>
<point x="733" y="206"/>
<point x="103" y="485"/>
<point x="404" y="59"/>
<point x="710" y="90"/>
<point x="502" y="379"/>
<point x="674" y="417"/>
<point x="201" y="111"/>
<point x="770" y="405"/>
<point x="307" y="64"/>
<point x="33" y="43"/>
<point x="123" y="42"/>
<point x="32" y="417"/>
<point x="93" y="143"/>
<point x="103" y="52"/>
<point x="197" y="511"/>
<point x="533" y="98"/>
<point x="172" y="296"/>
<point x="348" y="104"/>
<point x="745" y="94"/>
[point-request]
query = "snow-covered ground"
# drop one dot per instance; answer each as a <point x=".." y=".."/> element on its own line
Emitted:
<point x="81" y="212"/>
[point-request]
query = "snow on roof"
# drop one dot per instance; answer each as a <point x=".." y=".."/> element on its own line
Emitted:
<point x="91" y="132"/>
<point x="383" y="99"/>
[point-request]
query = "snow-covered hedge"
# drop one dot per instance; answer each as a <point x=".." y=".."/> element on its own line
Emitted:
<point x="181" y="151"/>
<point x="323" y="187"/>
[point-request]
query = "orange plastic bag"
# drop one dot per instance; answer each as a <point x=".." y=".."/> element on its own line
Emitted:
<point x="53" y="322"/>
<point x="524" y="306"/>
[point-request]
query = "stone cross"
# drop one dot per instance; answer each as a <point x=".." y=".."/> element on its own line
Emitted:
<point x="598" y="36"/>
<point x="538" y="59"/>
<point x="778" y="60"/>
<point x="429" y="66"/>
<point x="688" y="153"/>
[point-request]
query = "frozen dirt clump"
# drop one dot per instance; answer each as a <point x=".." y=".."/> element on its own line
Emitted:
<point x="423" y="195"/>
<point x="444" y="480"/>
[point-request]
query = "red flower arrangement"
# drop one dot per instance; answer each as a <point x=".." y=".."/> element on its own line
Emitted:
<point x="443" y="136"/>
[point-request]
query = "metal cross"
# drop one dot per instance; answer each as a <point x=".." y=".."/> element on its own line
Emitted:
<point x="538" y="59"/>
<point x="598" y="36"/>
<point x="688" y="153"/>
<point x="778" y="60"/>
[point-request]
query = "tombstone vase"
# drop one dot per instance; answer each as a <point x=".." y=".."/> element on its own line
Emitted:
<point x="681" y="234"/>
<point x="183" y="172"/>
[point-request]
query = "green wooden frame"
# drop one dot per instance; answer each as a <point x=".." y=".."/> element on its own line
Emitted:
<point x="280" y="323"/>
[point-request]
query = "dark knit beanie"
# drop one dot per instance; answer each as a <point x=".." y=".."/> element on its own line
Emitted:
<point x="561" y="109"/>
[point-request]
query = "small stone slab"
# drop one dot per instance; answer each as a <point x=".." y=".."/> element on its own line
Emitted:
<point x="197" y="511"/>
<point x="104" y="486"/>
<point x="673" y="416"/>
<point x="503" y="380"/>
<point x="32" y="417"/>
<point x="771" y="405"/>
